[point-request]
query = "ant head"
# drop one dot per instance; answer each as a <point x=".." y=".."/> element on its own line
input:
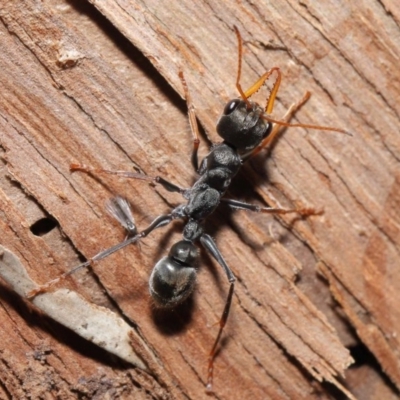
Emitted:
<point x="242" y="126"/>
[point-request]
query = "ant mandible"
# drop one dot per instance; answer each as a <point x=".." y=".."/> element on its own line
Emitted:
<point x="246" y="128"/>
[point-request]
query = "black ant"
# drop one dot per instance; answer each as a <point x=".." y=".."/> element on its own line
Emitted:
<point x="246" y="128"/>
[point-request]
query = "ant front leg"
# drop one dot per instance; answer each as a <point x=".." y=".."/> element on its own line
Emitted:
<point x="193" y="123"/>
<point x="170" y="187"/>
<point x="303" y="211"/>
<point x="279" y="126"/>
<point x="209" y="244"/>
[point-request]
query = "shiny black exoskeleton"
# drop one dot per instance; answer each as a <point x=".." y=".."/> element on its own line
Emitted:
<point x="246" y="128"/>
<point x="243" y="129"/>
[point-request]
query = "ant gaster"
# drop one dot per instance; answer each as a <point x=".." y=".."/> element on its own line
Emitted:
<point x="246" y="128"/>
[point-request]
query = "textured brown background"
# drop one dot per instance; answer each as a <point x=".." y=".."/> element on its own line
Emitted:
<point x="98" y="83"/>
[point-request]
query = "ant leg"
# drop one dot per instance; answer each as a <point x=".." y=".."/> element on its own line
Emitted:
<point x="276" y="130"/>
<point x="306" y="211"/>
<point x="209" y="244"/>
<point x="160" y="221"/>
<point x="170" y="187"/>
<point x="192" y="121"/>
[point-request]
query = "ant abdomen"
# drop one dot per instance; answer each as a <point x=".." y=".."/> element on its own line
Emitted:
<point x="173" y="278"/>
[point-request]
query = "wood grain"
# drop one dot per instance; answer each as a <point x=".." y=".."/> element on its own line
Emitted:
<point x="98" y="84"/>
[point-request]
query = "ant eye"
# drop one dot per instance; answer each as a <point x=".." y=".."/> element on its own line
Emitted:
<point x="231" y="106"/>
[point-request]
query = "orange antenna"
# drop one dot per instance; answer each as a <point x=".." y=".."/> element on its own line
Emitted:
<point x="256" y="87"/>
<point x="238" y="85"/>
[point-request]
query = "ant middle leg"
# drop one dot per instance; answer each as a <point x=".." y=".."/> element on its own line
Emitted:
<point x="303" y="211"/>
<point x="170" y="187"/>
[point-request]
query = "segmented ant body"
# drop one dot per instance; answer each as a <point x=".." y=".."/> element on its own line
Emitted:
<point x="246" y="129"/>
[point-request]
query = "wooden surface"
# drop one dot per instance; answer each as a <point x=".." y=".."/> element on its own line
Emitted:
<point x="98" y="84"/>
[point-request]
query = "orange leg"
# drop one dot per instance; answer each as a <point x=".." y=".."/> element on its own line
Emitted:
<point x="213" y="352"/>
<point x="192" y="121"/>
<point x="276" y="130"/>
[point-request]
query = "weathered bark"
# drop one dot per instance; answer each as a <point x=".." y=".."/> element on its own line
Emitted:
<point x="74" y="89"/>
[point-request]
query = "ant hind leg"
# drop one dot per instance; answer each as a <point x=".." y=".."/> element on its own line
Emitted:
<point x="193" y="123"/>
<point x="207" y="241"/>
